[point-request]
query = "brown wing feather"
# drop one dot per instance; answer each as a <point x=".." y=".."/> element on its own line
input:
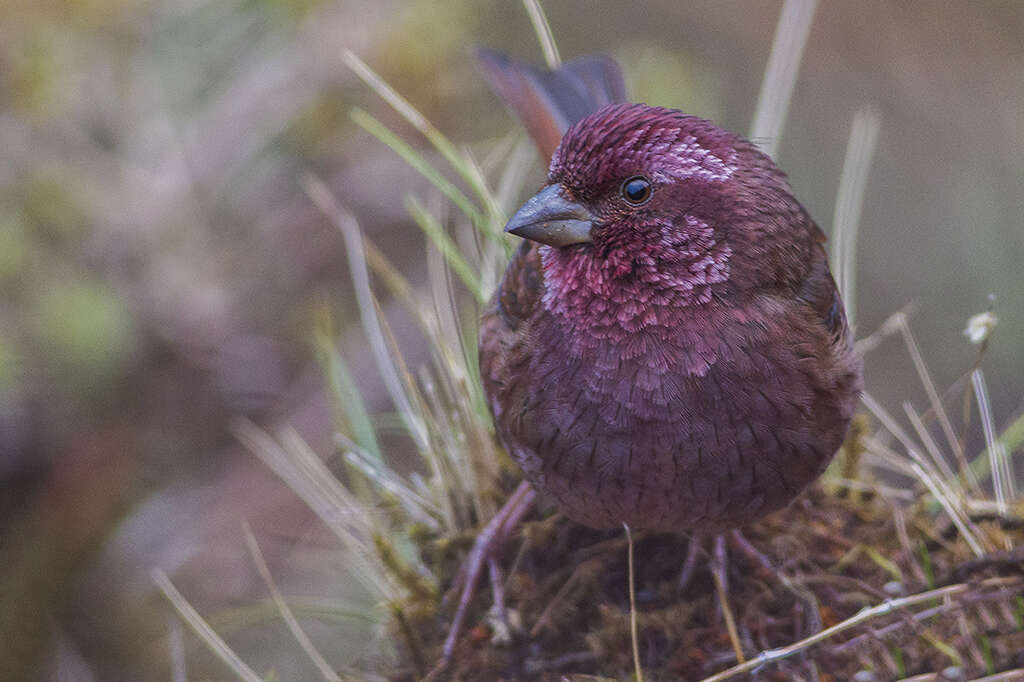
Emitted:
<point x="512" y="305"/>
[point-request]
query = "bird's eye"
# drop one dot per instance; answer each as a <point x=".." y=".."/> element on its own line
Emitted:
<point x="637" y="190"/>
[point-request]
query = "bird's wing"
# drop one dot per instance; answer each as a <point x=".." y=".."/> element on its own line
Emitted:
<point x="520" y="287"/>
<point x="549" y="101"/>
<point x="500" y="326"/>
<point x="819" y="291"/>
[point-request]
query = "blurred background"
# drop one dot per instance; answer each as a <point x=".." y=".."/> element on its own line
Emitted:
<point x="161" y="268"/>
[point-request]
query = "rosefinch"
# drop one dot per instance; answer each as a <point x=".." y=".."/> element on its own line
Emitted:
<point x="667" y="348"/>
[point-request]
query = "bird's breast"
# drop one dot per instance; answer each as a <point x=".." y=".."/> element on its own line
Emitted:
<point x="710" y="422"/>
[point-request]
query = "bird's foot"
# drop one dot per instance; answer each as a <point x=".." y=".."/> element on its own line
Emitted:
<point x="487" y="543"/>
<point x="719" y="566"/>
<point x="768" y="568"/>
<point x="747" y="549"/>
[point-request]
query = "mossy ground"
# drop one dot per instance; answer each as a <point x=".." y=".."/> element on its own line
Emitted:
<point x="567" y="603"/>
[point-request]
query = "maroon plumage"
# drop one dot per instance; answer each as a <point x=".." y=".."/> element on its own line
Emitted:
<point x="668" y="349"/>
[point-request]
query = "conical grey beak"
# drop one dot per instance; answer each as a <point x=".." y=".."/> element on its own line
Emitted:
<point x="549" y="218"/>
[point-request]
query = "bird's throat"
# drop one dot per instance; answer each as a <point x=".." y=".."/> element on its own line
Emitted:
<point x="613" y="293"/>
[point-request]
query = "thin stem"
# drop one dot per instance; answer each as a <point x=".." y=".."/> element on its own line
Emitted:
<point x="718" y="573"/>
<point x="352" y="234"/>
<point x="861" y="616"/>
<point x="780" y="74"/>
<point x="633" y="628"/>
<point x="203" y="630"/>
<point x="543" y="30"/>
<point x="282" y="606"/>
<point x="849" y="200"/>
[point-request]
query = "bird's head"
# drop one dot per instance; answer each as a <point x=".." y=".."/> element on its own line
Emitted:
<point x="640" y="191"/>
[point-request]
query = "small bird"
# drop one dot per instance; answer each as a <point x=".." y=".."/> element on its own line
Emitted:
<point x="667" y="348"/>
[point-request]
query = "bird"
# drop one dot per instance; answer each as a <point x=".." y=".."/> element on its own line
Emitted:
<point x="667" y="348"/>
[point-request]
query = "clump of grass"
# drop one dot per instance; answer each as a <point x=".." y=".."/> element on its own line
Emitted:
<point x="905" y="560"/>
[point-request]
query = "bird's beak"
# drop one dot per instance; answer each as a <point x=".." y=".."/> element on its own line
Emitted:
<point x="549" y="218"/>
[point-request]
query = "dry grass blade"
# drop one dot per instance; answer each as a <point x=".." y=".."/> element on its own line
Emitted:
<point x="543" y="30"/>
<point x="415" y="118"/>
<point x="350" y="409"/>
<point x="419" y="508"/>
<point x="780" y="74"/>
<point x="432" y="227"/>
<point x="633" y="628"/>
<point x="282" y="606"/>
<point x="1007" y="676"/>
<point x="860" y="149"/>
<point x="311" y="480"/>
<point x="176" y="644"/>
<point x="1002" y="471"/>
<point x="1011" y="439"/>
<point x="934" y="399"/>
<point x="203" y="630"/>
<point x="352" y="234"/>
<point x="929" y="443"/>
<point x="924" y="471"/>
<point x="416" y="161"/>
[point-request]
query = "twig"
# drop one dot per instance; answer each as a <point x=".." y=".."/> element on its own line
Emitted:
<point x="581" y="569"/>
<point x="916" y="618"/>
<point x="1014" y="675"/>
<point x="862" y="616"/>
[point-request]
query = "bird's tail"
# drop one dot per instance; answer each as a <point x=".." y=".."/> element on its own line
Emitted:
<point x="549" y="101"/>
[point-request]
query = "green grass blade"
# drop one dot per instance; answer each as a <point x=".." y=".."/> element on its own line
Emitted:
<point x="418" y="163"/>
<point x="433" y="229"/>
<point x="387" y="364"/>
<point x="416" y="119"/>
<point x="1012" y="438"/>
<point x="346" y="394"/>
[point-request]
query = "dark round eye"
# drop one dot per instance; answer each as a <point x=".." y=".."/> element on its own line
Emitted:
<point x="637" y="190"/>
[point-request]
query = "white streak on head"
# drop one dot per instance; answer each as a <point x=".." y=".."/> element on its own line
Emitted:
<point x="686" y="159"/>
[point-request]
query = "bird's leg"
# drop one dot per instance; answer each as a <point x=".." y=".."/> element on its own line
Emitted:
<point x="768" y="567"/>
<point x="693" y="553"/>
<point x="719" y="571"/>
<point x="486" y="544"/>
<point x="498" y="614"/>
<point x="753" y="553"/>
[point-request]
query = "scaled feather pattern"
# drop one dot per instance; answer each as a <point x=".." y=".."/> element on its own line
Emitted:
<point x="667" y="348"/>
